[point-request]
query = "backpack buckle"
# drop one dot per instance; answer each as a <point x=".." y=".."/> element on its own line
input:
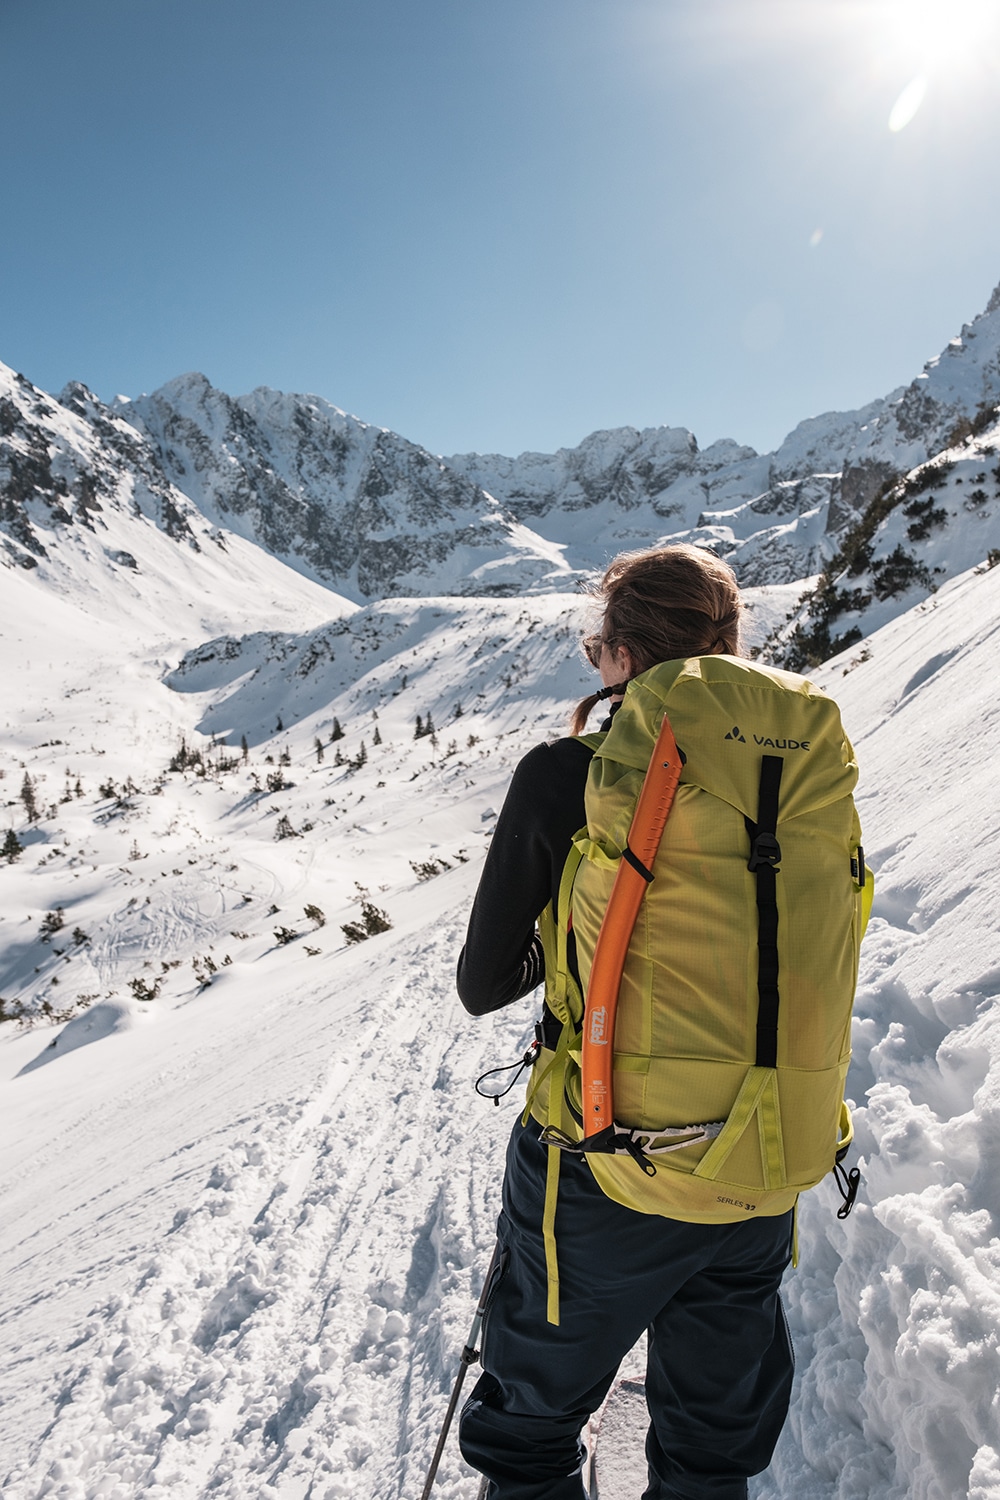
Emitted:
<point x="764" y="851"/>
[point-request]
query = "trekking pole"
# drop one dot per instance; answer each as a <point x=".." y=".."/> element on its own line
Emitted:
<point x="470" y="1355"/>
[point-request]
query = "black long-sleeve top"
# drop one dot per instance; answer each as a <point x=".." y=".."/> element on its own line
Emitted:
<point x="502" y="959"/>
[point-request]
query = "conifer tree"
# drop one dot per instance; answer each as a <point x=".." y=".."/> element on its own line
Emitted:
<point x="244" y="748"/>
<point x="28" y="798"/>
<point x="319" y="750"/>
<point x="278" y="728"/>
<point x="376" y="737"/>
<point x="336" y="733"/>
<point x="12" y="848"/>
<point x="419" y="731"/>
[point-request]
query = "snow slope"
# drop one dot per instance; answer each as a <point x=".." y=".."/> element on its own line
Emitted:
<point x="245" y="1221"/>
<point x="896" y="1312"/>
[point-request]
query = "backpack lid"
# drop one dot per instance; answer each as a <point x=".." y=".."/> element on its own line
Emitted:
<point x="726" y="712"/>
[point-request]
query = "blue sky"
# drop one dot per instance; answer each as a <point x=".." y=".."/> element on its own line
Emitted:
<point x="499" y="226"/>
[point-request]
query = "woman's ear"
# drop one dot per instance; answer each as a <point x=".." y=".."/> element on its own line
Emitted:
<point x="624" y="665"/>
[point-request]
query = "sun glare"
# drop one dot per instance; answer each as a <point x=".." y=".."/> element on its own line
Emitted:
<point x="944" y="32"/>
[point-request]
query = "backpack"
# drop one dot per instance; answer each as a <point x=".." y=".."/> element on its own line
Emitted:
<point x="721" y="1031"/>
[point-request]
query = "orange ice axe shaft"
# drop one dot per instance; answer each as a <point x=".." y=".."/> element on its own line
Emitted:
<point x="633" y="875"/>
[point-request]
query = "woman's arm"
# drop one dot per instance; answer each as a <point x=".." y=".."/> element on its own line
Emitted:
<point x="502" y="958"/>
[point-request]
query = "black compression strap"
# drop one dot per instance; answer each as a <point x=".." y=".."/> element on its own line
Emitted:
<point x="764" y="857"/>
<point x="637" y="864"/>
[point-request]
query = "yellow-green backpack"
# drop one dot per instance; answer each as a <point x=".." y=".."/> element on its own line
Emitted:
<point x="732" y="1037"/>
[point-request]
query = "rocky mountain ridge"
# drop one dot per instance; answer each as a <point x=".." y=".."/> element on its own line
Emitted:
<point x="368" y="514"/>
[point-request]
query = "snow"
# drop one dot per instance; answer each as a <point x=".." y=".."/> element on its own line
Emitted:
<point x="246" y="1222"/>
<point x="896" y="1312"/>
<point x="249" y="1191"/>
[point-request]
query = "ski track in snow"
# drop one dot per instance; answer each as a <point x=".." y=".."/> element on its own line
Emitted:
<point x="313" y="1293"/>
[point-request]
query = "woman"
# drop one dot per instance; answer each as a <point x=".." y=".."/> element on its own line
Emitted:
<point x="719" y="1363"/>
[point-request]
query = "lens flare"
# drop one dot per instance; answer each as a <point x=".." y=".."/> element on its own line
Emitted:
<point x="907" y="104"/>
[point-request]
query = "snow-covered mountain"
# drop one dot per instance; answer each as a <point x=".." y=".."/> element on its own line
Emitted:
<point x="776" y="517"/>
<point x="355" y="506"/>
<point x="369" y="514"/>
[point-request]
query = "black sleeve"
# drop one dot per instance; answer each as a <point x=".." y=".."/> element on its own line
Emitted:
<point x="502" y="958"/>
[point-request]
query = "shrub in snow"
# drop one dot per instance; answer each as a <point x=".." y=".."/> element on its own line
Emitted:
<point x="284" y="935"/>
<point x="51" y="924"/>
<point x="373" y="921"/>
<point x="315" y="915"/>
<point x="205" y="968"/>
<point x="892" y="575"/>
<point x="427" y="869"/>
<point x="275" y="782"/>
<point x="183" y="759"/>
<point x="284" y="829"/>
<point x="924" y="515"/>
<point x="144" y="991"/>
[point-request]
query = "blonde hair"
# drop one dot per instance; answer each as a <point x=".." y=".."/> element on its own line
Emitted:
<point x="664" y="605"/>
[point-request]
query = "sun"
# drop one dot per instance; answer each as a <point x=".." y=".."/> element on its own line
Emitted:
<point x="939" y="34"/>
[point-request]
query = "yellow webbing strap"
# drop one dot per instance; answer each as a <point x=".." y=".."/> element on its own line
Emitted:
<point x="757" y="1096"/>
<point x="538" y="1077"/>
<point x="565" y="1001"/>
<point x="567" y="991"/>
<point x="563" y="997"/>
<point x="772" y="1146"/>
<point x="867" y="898"/>
<point x="795" y="1234"/>
<point x="556" y="1091"/>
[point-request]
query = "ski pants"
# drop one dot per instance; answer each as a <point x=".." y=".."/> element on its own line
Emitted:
<point x="719" y="1364"/>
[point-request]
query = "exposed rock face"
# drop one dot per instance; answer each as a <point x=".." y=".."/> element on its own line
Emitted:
<point x="630" y="488"/>
<point x="350" y="505"/>
<point x="63" y="463"/>
<point x="369" y="514"/>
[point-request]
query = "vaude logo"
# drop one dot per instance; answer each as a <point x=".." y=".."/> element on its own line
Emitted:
<point x="759" y="739"/>
<point x="783" y="744"/>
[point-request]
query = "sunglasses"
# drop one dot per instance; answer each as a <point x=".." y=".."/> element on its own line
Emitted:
<point x="593" y="645"/>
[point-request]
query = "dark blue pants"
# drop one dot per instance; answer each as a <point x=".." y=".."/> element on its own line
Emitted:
<point x="719" y="1368"/>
